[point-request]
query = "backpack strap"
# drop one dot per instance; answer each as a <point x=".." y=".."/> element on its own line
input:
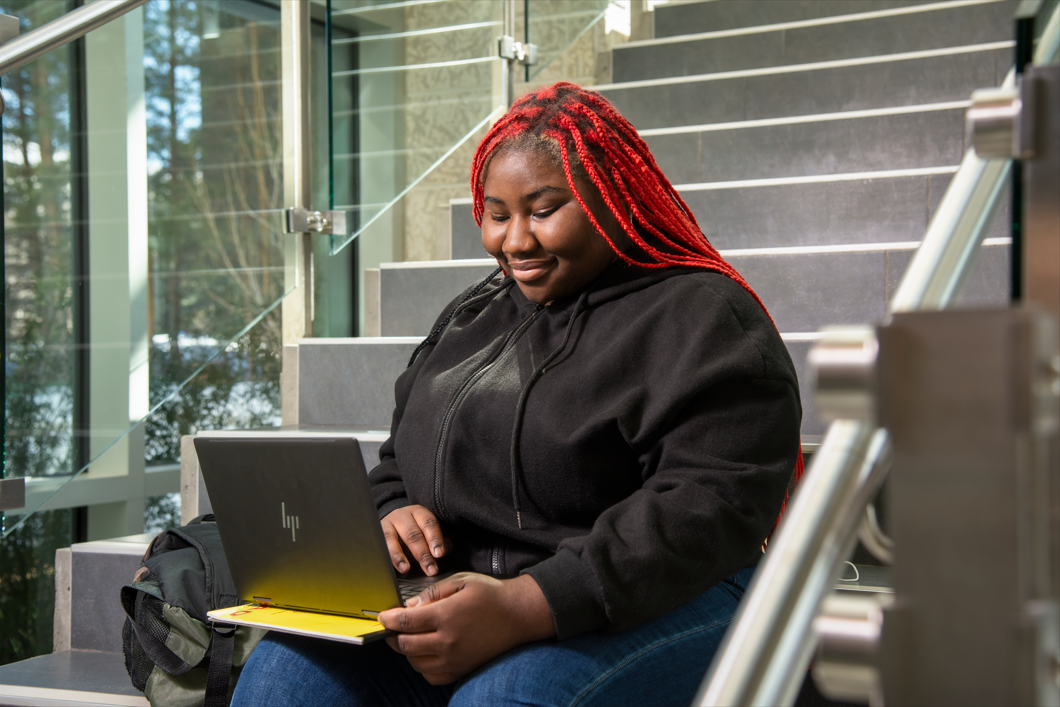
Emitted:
<point x="220" y="671"/>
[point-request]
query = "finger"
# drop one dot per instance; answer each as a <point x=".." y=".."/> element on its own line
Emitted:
<point x="415" y="540"/>
<point x="415" y="620"/>
<point x="425" y="648"/>
<point x="393" y="546"/>
<point x="434" y="592"/>
<point x="432" y="531"/>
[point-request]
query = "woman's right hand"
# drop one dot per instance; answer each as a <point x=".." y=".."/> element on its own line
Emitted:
<point x="414" y="530"/>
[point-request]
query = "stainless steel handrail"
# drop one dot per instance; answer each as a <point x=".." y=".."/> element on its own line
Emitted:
<point x="763" y="658"/>
<point x="62" y="30"/>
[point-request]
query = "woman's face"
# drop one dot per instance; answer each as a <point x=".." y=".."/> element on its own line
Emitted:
<point x="537" y="231"/>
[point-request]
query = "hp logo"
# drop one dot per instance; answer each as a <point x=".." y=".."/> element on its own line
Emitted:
<point x="289" y="521"/>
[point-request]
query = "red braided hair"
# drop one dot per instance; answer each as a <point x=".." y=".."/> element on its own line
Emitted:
<point x="595" y="141"/>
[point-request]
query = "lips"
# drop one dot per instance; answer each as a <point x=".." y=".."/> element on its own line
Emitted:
<point x="529" y="270"/>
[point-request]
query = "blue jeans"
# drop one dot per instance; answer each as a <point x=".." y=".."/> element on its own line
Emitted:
<point x="659" y="663"/>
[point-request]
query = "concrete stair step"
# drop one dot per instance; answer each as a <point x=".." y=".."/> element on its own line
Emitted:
<point x="806" y="291"/>
<point x="915" y="137"/>
<point x="350" y="381"/>
<point x="413" y="294"/>
<point x="680" y="18"/>
<point x="465" y="235"/>
<point x="905" y="29"/>
<point x="778" y="92"/>
<point x="88" y="615"/>
<point x="70" y="677"/>
<point x="87" y="667"/>
<point x="852" y="210"/>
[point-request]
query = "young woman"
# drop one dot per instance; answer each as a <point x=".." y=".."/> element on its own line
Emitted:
<point x="599" y="441"/>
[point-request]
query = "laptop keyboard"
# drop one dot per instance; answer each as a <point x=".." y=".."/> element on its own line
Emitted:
<point x="409" y="588"/>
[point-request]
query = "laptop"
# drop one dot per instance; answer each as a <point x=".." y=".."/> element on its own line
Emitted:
<point x="298" y="525"/>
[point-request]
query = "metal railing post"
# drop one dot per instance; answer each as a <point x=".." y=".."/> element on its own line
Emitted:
<point x="297" y="308"/>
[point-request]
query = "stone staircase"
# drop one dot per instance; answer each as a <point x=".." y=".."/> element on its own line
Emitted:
<point x="813" y="140"/>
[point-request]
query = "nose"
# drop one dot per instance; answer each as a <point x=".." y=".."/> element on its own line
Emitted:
<point x="519" y="239"/>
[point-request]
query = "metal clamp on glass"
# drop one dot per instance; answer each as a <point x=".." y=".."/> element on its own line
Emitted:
<point x="306" y="221"/>
<point x="518" y="52"/>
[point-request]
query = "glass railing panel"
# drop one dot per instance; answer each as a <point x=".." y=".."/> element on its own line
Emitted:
<point x="423" y="81"/>
<point x="143" y="234"/>
<point x="170" y="256"/>
<point x="555" y="25"/>
<point x="37" y="281"/>
<point x="415" y="86"/>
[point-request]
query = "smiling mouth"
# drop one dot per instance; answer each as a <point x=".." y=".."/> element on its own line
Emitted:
<point x="529" y="270"/>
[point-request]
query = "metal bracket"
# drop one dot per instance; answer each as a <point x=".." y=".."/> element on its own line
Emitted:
<point x="306" y="221"/>
<point x="518" y="52"/>
<point x="12" y="494"/>
<point x="1000" y="121"/>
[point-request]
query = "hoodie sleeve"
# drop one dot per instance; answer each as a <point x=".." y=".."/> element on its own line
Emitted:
<point x="717" y="438"/>
<point x="388" y="488"/>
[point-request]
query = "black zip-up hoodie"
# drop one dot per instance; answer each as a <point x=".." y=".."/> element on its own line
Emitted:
<point x="628" y="446"/>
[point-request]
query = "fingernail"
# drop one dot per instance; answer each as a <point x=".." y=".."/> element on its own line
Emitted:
<point x="403" y="568"/>
<point x="431" y="570"/>
<point x="437" y="550"/>
<point x="414" y="601"/>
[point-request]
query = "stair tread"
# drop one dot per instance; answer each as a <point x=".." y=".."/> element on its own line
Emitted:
<point x="792" y="92"/>
<point x="843" y="39"/>
<point x="675" y="19"/>
<point x="74" y="676"/>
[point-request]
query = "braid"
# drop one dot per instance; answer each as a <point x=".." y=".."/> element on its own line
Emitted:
<point x="584" y="131"/>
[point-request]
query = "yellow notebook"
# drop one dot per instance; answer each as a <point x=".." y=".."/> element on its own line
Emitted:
<point x="347" y="629"/>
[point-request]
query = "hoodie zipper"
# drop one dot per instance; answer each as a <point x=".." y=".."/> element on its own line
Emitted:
<point x="461" y="394"/>
<point x="496" y="560"/>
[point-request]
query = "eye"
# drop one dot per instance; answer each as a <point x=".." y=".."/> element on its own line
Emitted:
<point x="545" y="213"/>
<point x="499" y="218"/>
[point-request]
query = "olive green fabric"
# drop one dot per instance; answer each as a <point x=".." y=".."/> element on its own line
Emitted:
<point x="190" y="639"/>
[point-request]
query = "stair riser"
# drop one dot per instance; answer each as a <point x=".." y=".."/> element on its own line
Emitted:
<point x="806" y="292"/>
<point x="830" y="213"/>
<point x="466" y="235"/>
<point x="951" y="27"/>
<point x="673" y="20"/>
<point x="909" y="141"/>
<point x="884" y="85"/>
<point x="413" y="297"/>
<point x="96" y="616"/>
<point x="351" y="384"/>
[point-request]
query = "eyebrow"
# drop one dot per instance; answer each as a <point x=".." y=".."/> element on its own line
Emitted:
<point x="526" y="197"/>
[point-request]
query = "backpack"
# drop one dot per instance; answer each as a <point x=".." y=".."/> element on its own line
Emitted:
<point x="173" y="654"/>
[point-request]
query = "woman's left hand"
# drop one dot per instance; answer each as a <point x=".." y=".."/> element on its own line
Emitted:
<point x="466" y="620"/>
